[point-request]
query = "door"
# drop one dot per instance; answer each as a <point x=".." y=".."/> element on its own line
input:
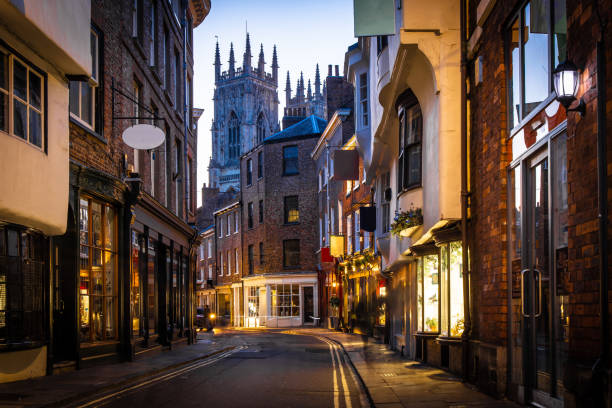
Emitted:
<point x="308" y="304"/>
<point x="542" y="290"/>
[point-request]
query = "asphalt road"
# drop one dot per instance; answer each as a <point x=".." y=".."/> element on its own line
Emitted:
<point x="265" y="369"/>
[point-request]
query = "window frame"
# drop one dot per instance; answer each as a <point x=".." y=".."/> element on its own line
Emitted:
<point x="251" y="258"/>
<point x="95" y="102"/>
<point x="11" y="56"/>
<point x="260" y="164"/>
<point x="421" y="323"/>
<point x="261" y="253"/>
<point x="287" y="160"/>
<point x="287" y="210"/>
<point x="404" y="151"/>
<point x="261" y="211"/>
<point x="363" y="100"/>
<point x="294" y="253"/>
<point x="249" y="172"/>
<point x="250" y="215"/>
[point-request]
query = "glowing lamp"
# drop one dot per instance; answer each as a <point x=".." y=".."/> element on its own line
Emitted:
<point x="566" y="80"/>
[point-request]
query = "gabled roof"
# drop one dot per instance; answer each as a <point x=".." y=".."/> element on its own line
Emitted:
<point x="309" y="127"/>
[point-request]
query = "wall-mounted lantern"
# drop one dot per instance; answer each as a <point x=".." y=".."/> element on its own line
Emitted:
<point x="566" y="80"/>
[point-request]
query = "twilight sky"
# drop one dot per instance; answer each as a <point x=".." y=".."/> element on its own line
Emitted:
<point x="305" y="33"/>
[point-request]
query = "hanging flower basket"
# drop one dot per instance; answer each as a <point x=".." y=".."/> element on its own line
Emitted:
<point x="406" y="222"/>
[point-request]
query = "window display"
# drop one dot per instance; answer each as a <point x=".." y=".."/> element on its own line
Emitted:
<point x="428" y="294"/>
<point x="285" y="300"/>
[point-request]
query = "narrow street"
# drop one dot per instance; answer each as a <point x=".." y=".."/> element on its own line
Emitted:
<point x="271" y="368"/>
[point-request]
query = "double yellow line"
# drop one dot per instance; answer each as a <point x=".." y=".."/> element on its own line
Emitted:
<point x="202" y="363"/>
<point x="338" y="368"/>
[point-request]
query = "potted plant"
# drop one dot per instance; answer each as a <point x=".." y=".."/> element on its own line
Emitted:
<point x="406" y="222"/>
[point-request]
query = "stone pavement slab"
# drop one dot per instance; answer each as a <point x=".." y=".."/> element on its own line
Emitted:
<point x="393" y="381"/>
<point x="61" y="389"/>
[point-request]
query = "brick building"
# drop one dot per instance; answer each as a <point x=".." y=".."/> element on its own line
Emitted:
<point x="130" y="250"/>
<point x="279" y="198"/>
<point x="206" y="269"/>
<point x="228" y="287"/>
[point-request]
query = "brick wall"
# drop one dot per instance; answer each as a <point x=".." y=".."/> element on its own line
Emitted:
<point x="231" y="243"/>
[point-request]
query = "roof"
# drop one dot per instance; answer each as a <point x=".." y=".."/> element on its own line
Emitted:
<point x="208" y="228"/>
<point x="310" y="126"/>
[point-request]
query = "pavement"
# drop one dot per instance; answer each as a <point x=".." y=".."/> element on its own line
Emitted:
<point x="393" y="381"/>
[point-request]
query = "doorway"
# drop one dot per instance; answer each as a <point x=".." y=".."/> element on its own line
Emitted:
<point x="308" y="304"/>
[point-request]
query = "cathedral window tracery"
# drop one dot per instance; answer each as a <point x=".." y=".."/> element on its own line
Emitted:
<point x="261" y="129"/>
<point x="233" y="137"/>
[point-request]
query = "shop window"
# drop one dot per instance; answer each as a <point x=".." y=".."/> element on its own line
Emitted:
<point x="151" y="285"/>
<point x="22" y="99"/>
<point x="410" y="136"/>
<point x="285" y="300"/>
<point x="98" y="271"/>
<point x="136" y="295"/>
<point x="290" y="161"/>
<point x="23" y="257"/>
<point x="253" y="301"/>
<point x="428" y="288"/>
<point x="534" y="48"/>
<point x="292" y="210"/>
<point x="291" y="253"/>
<point x="451" y="268"/>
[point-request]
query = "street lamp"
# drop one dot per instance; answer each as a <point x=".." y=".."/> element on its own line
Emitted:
<point x="565" y="80"/>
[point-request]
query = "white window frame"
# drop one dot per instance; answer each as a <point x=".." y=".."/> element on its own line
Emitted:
<point x="236" y="222"/>
<point x="229" y="263"/>
<point x="11" y="98"/>
<point x="209" y="248"/>
<point x="94" y="78"/>
<point x="210" y="272"/>
<point x="228" y="231"/>
<point x="221" y="268"/>
<point x="237" y="261"/>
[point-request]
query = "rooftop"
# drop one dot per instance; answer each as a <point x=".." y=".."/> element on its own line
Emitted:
<point x="310" y="126"/>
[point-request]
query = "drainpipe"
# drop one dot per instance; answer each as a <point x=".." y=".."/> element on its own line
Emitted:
<point x="600" y="367"/>
<point x="465" y="337"/>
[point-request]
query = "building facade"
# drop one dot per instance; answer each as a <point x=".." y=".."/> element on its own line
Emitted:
<point x="246" y="112"/>
<point x="207" y="269"/>
<point x="39" y="48"/>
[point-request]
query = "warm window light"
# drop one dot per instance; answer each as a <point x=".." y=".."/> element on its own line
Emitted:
<point x="565" y="80"/>
<point x="334" y="284"/>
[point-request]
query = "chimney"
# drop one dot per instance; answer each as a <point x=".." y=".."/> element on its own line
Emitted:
<point x="329" y="70"/>
<point x="337" y="71"/>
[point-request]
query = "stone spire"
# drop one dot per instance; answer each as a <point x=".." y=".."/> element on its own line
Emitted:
<point x="309" y="94"/>
<point x="217" y="62"/>
<point x="317" y="82"/>
<point x="301" y="88"/>
<point x="232" y="61"/>
<point x="288" y="89"/>
<point x="274" y="65"/>
<point x="246" y="62"/>
<point x="261" y="64"/>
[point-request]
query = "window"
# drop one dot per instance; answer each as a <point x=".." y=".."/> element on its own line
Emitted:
<point x="209" y="248"/>
<point x="411" y="130"/>
<point x="151" y="286"/>
<point x="260" y="164"/>
<point x="167" y="161"/>
<point x="261" y="211"/>
<point x="189" y="91"/>
<point x="533" y="54"/>
<point x="451" y="268"/>
<point x="237" y="263"/>
<point x="386" y="204"/>
<point x="290" y="160"/>
<point x="349" y="234"/>
<point x="291" y="253"/>
<point x="261" y="129"/>
<point x="210" y="272"/>
<point x="229" y="225"/>
<point x="236" y="223"/>
<point x="23" y="258"/>
<point x="285" y="300"/>
<point x="349" y="187"/>
<point x="320" y="232"/>
<point x="189" y="203"/>
<point x="261" y="253"/>
<point x="221" y="266"/>
<point x="292" y="210"/>
<point x="339" y="217"/>
<point x="177" y="171"/>
<point x="428" y="288"/>
<point x="98" y="271"/>
<point x="357" y="232"/>
<point x="137" y="17"/>
<point x="363" y="98"/>
<point x="253" y="303"/>
<point x="250" y="214"/>
<point x="21" y="100"/>
<point x="153" y="33"/>
<point x="382" y="41"/>
<point x="251" y="257"/>
<point x="229" y="263"/>
<point x="220" y="228"/>
<point x="233" y="130"/>
<point x="202" y="251"/>
<point x="177" y="81"/>
<point x="249" y="172"/>
<point x="166" y="55"/>
<point x="82" y="95"/>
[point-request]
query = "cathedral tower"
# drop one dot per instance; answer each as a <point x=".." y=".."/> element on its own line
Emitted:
<point x="245" y="112"/>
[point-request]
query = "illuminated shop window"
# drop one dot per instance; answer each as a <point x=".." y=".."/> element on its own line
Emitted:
<point x="428" y="294"/>
<point x="452" y="289"/>
<point x="285" y="300"/>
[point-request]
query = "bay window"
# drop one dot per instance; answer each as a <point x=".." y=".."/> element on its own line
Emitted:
<point x="428" y="294"/>
<point x="451" y="268"/>
<point x="98" y="271"/>
<point x="534" y="47"/>
<point x="410" y="136"/>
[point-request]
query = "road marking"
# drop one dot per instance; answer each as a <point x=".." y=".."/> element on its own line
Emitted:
<point x="336" y="395"/>
<point x="336" y="357"/>
<point x="169" y="376"/>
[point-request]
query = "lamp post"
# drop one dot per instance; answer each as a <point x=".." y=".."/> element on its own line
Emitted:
<point x="566" y="81"/>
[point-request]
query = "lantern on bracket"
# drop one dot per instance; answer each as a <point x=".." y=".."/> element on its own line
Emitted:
<point x="566" y="78"/>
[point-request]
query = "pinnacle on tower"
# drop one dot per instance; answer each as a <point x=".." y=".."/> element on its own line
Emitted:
<point x="232" y="61"/>
<point x="317" y="82"/>
<point x="288" y="89"/>
<point x="301" y="88"/>
<point x="246" y="62"/>
<point x="309" y="94"/>
<point x="217" y="62"/>
<point x="274" y="65"/>
<point x="261" y="63"/>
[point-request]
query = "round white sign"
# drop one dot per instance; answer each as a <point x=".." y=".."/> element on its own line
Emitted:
<point x="143" y="136"/>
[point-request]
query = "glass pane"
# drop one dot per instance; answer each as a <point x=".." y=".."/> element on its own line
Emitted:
<point x="97" y="315"/>
<point x="514" y="75"/>
<point x="109" y="228"/>
<point x="20" y="80"/>
<point x="431" y="289"/>
<point x="420" y="295"/>
<point x="536" y="65"/>
<point x="4" y="118"/>
<point x="559" y="32"/>
<point x="84" y="255"/>
<point x="75" y="89"/>
<point x="19" y="119"/>
<point x="96" y="223"/>
<point x="86" y="103"/>
<point x="444" y="301"/>
<point x="456" y="289"/>
<point x="135" y="301"/>
<point x="109" y="273"/>
<point x="4" y="71"/>
<point x="414" y="165"/>
<point x="94" y="56"/>
<point x="109" y="323"/>
<point x="151" y="286"/>
<point x="35" y="90"/>
<point x="84" y="318"/>
<point x="35" y="128"/>
<point x="96" y="259"/>
<point x="84" y="221"/>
